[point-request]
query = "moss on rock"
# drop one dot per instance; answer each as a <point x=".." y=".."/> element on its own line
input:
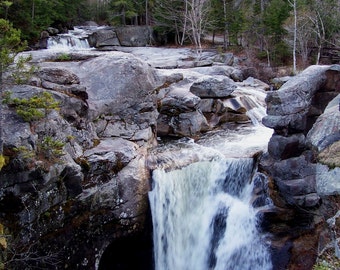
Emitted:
<point x="330" y="156"/>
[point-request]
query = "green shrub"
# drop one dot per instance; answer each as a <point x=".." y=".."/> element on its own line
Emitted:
<point x="51" y="148"/>
<point x="2" y="161"/>
<point x="34" y="108"/>
<point x="63" y="57"/>
<point x="24" y="152"/>
<point x="322" y="266"/>
<point x="22" y="72"/>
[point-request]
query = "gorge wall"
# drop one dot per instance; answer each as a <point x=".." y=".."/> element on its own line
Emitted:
<point x="67" y="209"/>
<point x="78" y="209"/>
<point x="303" y="165"/>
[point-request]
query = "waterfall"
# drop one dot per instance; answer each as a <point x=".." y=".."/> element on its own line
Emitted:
<point x="75" y="40"/>
<point x="203" y="219"/>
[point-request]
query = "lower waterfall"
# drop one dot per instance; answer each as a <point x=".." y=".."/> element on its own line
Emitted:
<point x="203" y="219"/>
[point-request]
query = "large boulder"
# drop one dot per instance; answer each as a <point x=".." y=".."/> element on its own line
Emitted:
<point x="326" y="129"/>
<point x="103" y="38"/>
<point x="81" y="168"/>
<point x="130" y="87"/>
<point x="135" y="36"/>
<point x="292" y="106"/>
<point x="302" y="121"/>
<point x="207" y="95"/>
<point x="213" y="87"/>
<point x="177" y="102"/>
<point x="304" y="114"/>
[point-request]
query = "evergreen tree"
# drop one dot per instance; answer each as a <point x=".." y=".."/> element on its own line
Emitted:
<point x="131" y="12"/>
<point x="123" y="10"/>
<point x="34" y="16"/>
<point x="271" y="31"/>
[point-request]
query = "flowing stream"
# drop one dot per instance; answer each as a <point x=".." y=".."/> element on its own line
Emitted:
<point x="202" y="212"/>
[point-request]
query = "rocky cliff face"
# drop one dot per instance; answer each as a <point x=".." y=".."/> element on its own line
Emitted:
<point x="95" y="191"/>
<point x="77" y="207"/>
<point x="304" y="114"/>
<point x="74" y="188"/>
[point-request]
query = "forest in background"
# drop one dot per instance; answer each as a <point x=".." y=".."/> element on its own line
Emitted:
<point x="277" y="32"/>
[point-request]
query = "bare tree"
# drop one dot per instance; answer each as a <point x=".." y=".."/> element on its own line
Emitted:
<point x="171" y="15"/>
<point x="20" y="256"/>
<point x="319" y="30"/>
<point x="293" y="5"/>
<point x="197" y="17"/>
<point x="304" y="37"/>
<point x="325" y="17"/>
<point x="308" y="32"/>
<point x="184" y="22"/>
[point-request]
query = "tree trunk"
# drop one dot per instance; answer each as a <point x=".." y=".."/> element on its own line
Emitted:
<point x="123" y="17"/>
<point x="213" y="37"/>
<point x="146" y="12"/>
<point x="293" y="4"/>
<point x="184" y="23"/>
<point x="321" y="35"/>
<point x="225" y="32"/>
<point x="33" y="11"/>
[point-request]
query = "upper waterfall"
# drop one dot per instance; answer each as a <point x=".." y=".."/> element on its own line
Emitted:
<point x="75" y="39"/>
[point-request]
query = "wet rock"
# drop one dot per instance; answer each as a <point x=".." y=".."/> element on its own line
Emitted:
<point x="213" y="87"/>
<point x="191" y="123"/>
<point x="106" y="37"/>
<point x="43" y="41"/>
<point x="52" y="31"/>
<point x="203" y="63"/>
<point x="188" y="124"/>
<point x="234" y="105"/>
<point x="281" y="147"/>
<point x="178" y="102"/>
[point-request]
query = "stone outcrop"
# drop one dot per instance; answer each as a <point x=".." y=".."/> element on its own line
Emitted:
<point x="213" y="87"/>
<point x="82" y="200"/>
<point x="304" y="114"/>
<point x="135" y="36"/>
<point x="83" y="204"/>
<point x="106" y="37"/>
<point x="129" y="36"/>
<point x="201" y="99"/>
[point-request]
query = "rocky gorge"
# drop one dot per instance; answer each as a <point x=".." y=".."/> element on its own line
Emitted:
<point x="88" y="208"/>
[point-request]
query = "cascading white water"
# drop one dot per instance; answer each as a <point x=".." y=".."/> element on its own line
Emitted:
<point x="202" y="218"/>
<point x="74" y="40"/>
